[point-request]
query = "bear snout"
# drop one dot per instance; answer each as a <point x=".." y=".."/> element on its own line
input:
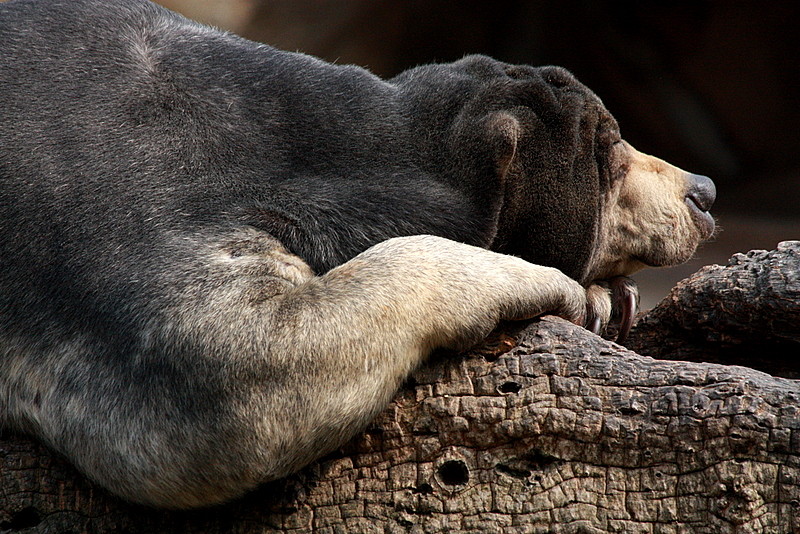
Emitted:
<point x="700" y="196"/>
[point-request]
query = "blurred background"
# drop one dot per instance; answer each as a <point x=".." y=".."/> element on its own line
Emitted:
<point x="710" y="86"/>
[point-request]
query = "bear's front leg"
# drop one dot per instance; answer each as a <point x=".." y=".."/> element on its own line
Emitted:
<point x="259" y="368"/>
<point x="363" y="327"/>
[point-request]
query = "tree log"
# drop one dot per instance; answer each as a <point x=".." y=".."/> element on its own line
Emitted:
<point x="546" y="428"/>
<point x="747" y="313"/>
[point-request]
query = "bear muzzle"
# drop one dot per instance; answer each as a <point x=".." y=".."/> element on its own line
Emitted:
<point x="700" y="196"/>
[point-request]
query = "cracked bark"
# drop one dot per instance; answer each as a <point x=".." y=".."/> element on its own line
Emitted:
<point x="747" y="313"/>
<point x="546" y="428"/>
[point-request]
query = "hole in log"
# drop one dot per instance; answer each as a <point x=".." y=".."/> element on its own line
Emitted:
<point x="539" y="460"/>
<point x="424" y="489"/>
<point x="521" y="474"/>
<point x="509" y="387"/>
<point x="24" y="519"/>
<point x="454" y="473"/>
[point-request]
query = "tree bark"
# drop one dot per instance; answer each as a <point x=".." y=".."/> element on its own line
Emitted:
<point x="747" y="313"/>
<point x="546" y="428"/>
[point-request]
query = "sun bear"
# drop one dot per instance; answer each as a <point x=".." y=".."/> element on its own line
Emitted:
<point x="219" y="261"/>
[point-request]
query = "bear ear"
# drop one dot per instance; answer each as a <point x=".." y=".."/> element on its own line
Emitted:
<point x="504" y="131"/>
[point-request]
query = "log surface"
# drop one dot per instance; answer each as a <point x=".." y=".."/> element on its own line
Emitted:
<point x="746" y="312"/>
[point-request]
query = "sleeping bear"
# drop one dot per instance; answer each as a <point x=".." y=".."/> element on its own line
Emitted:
<point x="219" y="261"/>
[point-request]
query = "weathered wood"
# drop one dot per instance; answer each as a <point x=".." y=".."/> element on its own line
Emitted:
<point x="746" y="312"/>
<point x="548" y="429"/>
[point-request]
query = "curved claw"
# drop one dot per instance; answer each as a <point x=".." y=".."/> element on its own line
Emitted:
<point x="626" y="297"/>
<point x="594" y="325"/>
<point x="628" y="313"/>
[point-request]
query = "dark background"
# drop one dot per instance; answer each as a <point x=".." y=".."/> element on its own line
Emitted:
<point x="713" y="87"/>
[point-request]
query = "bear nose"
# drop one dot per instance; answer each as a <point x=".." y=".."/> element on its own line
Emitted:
<point x="701" y="191"/>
